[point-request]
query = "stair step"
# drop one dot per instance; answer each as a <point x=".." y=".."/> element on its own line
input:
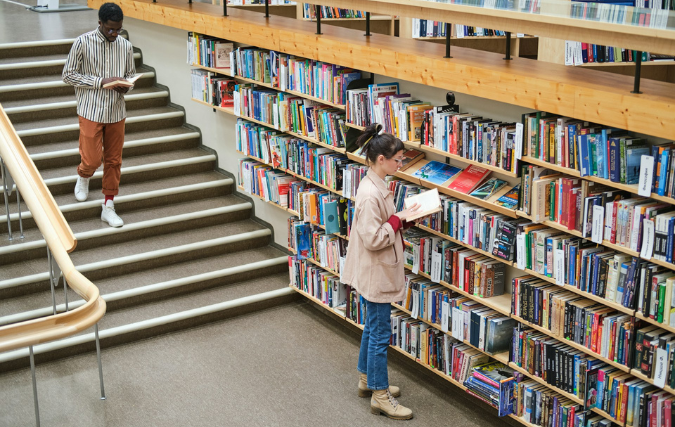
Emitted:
<point x="135" y="196"/>
<point x="40" y="65"/>
<point x="132" y="289"/>
<point x="35" y="86"/>
<point x="119" y="258"/>
<point x="109" y="337"/>
<point x="139" y="147"/>
<point x="66" y="106"/>
<point x="49" y="145"/>
<point x="92" y="232"/>
<point x="35" y="48"/>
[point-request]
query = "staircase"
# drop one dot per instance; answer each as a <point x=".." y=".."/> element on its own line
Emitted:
<point x="190" y="251"/>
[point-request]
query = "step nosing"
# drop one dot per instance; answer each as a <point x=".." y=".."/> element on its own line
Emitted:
<point x="128" y="228"/>
<point x="147" y="289"/>
<point x="127" y="144"/>
<point x="44" y="63"/>
<point x="70" y="104"/>
<point x="144" y="256"/>
<point x="130" y="197"/>
<point x="76" y="126"/>
<point x="52" y="84"/>
<point x="149" y="323"/>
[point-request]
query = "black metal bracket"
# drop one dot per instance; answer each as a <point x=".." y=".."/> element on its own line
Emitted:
<point x="508" y="46"/>
<point x="317" y="11"/>
<point x="367" y="24"/>
<point x="638" y="69"/>
<point x="189" y="1"/>
<point x="267" y="8"/>
<point x="224" y="7"/>
<point x="448" y="32"/>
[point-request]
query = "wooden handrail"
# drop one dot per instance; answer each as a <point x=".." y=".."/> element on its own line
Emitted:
<point x="59" y="239"/>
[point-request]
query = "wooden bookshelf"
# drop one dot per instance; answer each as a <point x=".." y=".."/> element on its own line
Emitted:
<point x="572" y="344"/>
<point x="575" y="173"/>
<point x="625" y="64"/>
<point x="317" y="301"/>
<point x="494" y="169"/>
<point x="665" y="326"/>
<point x="290" y="211"/>
<point x="372" y="18"/>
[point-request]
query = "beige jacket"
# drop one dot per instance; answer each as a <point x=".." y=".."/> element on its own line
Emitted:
<point x="374" y="264"/>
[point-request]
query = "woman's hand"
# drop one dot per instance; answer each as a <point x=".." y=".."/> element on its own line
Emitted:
<point x="405" y="213"/>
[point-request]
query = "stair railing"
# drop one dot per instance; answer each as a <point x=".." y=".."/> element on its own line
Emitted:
<point x="20" y="174"/>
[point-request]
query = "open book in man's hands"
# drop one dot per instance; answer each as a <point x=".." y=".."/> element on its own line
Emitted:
<point x="429" y="202"/>
<point x="126" y="83"/>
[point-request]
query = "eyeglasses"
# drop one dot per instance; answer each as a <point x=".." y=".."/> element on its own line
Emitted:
<point x="399" y="161"/>
<point x="113" y="31"/>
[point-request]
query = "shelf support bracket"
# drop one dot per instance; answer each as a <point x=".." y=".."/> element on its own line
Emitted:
<point x="448" y="32"/>
<point x="224" y="9"/>
<point x="267" y="8"/>
<point x="508" y="46"/>
<point x="317" y="11"/>
<point x="367" y="24"/>
<point x="638" y="69"/>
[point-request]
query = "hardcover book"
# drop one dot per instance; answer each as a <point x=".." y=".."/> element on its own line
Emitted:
<point x="436" y="172"/>
<point x="490" y="187"/>
<point x="469" y="179"/>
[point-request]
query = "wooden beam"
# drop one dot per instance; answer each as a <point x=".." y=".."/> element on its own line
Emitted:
<point x="555" y="24"/>
<point x="570" y="91"/>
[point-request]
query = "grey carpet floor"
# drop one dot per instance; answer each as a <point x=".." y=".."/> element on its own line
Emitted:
<point x="287" y="366"/>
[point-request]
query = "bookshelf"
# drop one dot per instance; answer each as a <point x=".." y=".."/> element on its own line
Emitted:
<point x="501" y="304"/>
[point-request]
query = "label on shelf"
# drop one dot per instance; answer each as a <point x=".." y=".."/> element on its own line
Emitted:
<point x="342" y="266"/>
<point x="519" y="141"/>
<point x="436" y="264"/>
<point x="646" y="176"/>
<point x="520" y="251"/>
<point x="559" y="266"/>
<point x="648" y="239"/>
<point x="445" y="309"/>
<point x="416" y="259"/>
<point x="598" y="230"/>
<point x="661" y="367"/>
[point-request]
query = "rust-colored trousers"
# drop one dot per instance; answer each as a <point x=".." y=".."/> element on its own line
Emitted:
<point x="102" y="143"/>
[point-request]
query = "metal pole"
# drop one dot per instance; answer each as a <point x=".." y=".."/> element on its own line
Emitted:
<point x="51" y="278"/>
<point x="317" y="11"/>
<point x="65" y="290"/>
<point x="190" y="1"/>
<point x="18" y="205"/>
<point x="267" y="8"/>
<point x="448" y="32"/>
<point x="367" y="24"/>
<point x="224" y="7"/>
<point x="508" y="46"/>
<point x="5" y="191"/>
<point x="100" y="365"/>
<point x="638" y="69"/>
<point x="35" y="395"/>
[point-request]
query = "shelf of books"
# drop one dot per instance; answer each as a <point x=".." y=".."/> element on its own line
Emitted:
<point x="587" y="297"/>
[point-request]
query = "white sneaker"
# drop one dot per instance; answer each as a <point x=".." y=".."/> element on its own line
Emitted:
<point x="82" y="189"/>
<point x="108" y="215"/>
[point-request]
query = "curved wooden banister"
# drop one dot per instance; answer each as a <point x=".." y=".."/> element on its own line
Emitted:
<point x="60" y="240"/>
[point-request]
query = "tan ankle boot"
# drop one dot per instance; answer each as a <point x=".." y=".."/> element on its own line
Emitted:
<point x="383" y="402"/>
<point x="364" y="391"/>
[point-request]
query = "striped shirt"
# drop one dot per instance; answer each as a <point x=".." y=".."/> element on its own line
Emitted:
<point x="93" y="58"/>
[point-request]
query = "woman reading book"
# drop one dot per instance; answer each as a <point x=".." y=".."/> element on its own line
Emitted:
<point x="374" y="266"/>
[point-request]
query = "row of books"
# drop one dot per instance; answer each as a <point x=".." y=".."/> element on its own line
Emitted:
<point x="472" y="137"/>
<point x="309" y="12"/>
<point x="287" y="72"/>
<point x="210" y="88"/>
<point x="327" y="250"/>
<point x="430" y="28"/>
<point x="208" y="51"/>
<point x="316" y="282"/>
<point x="259" y="2"/>
<point x="596" y="151"/>
<point x="577" y="53"/>
<point x="620" y="13"/>
<point x="654" y="354"/>
<point x="570" y="317"/>
<point x="290" y="113"/>
<point x="599" y="212"/>
<point x="448" y="262"/>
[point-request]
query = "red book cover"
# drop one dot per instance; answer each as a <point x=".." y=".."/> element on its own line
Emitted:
<point x="615" y="209"/>
<point x="653" y="415"/>
<point x="624" y="402"/>
<point x="469" y="179"/>
<point x="594" y="332"/>
<point x="668" y="407"/>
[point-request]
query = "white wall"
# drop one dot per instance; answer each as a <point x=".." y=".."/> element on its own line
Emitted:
<point x="164" y="49"/>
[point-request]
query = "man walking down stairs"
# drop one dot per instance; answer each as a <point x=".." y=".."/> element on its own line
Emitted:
<point x="99" y="64"/>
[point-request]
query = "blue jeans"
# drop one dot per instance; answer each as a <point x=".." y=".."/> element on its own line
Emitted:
<point x="374" y="345"/>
